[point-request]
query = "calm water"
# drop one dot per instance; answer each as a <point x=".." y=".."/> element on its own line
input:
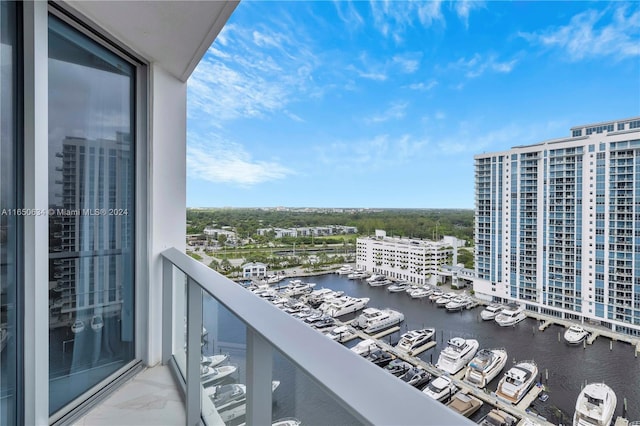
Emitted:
<point x="567" y="367"/>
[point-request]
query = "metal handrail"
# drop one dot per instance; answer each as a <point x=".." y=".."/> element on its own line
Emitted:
<point x="366" y="391"/>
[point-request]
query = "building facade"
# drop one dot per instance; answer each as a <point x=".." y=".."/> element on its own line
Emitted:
<point x="557" y="225"/>
<point x="416" y="261"/>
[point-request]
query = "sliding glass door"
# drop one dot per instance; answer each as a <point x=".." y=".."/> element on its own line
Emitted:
<point x="91" y="212"/>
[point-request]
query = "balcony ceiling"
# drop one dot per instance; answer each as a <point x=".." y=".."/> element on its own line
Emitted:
<point x="175" y="34"/>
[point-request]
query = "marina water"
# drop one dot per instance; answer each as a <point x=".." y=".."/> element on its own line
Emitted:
<point x="563" y="369"/>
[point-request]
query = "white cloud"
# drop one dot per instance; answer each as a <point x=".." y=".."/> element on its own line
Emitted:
<point x="479" y="64"/>
<point x="408" y="62"/>
<point x="423" y="86"/>
<point x="593" y="34"/>
<point x="464" y="7"/>
<point x="251" y="73"/>
<point x="395" y="112"/>
<point x="221" y="161"/>
<point x="376" y="153"/>
<point x="391" y="18"/>
<point x="349" y="15"/>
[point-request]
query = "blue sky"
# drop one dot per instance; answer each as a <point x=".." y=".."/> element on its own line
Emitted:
<point x="384" y="104"/>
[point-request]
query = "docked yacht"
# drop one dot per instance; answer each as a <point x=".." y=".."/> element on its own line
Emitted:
<point x="357" y="275"/>
<point x="415" y="339"/>
<point x="380" y="358"/>
<point x="458" y="303"/>
<point x="420" y="292"/>
<point x="273" y="279"/>
<point x="490" y="312"/>
<point x="457" y="354"/>
<point x="231" y="400"/>
<point x="595" y="406"/>
<point x="210" y="375"/>
<point x="324" y="323"/>
<point x="464" y="404"/>
<point x="318" y="297"/>
<point x="440" y="389"/>
<point x="341" y="334"/>
<point x="365" y="347"/>
<point x="497" y="417"/>
<point x="345" y="270"/>
<point x="214" y="360"/>
<point x="298" y="288"/>
<point x="517" y="381"/>
<point x="485" y="366"/>
<point x="511" y="315"/>
<point x="380" y="282"/>
<point x="343" y="305"/>
<point x="416" y="377"/>
<point x="376" y="277"/>
<point x="442" y="301"/>
<point x="398" y="367"/>
<point x="373" y="320"/>
<point x="435" y="295"/>
<point x="398" y="287"/>
<point x="575" y="334"/>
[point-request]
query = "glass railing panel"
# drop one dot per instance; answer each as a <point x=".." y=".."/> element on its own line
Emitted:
<point x="299" y="397"/>
<point x="224" y="361"/>
<point x="179" y="347"/>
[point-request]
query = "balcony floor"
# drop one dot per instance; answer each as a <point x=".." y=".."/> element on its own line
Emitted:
<point x="150" y="398"/>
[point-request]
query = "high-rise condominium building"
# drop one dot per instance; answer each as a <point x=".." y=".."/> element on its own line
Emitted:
<point x="558" y="225"/>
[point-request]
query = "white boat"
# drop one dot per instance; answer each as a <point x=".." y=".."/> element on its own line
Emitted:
<point x="318" y="297"/>
<point x="343" y="305"/>
<point x="398" y="367"/>
<point x="273" y="279"/>
<point x="375" y="277"/>
<point x="485" y="366"/>
<point x="595" y="406"/>
<point x="464" y="404"/>
<point x="365" y="347"/>
<point x="415" y="339"/>
<point x="230" y="400"/>
<point x="373" y="320"/>
<point x="575" y="334"/>
<point x="497" y="417"/>
<point x="517" y="381"/>
<point x="490" y="312"/>
<point x="357" y="275"/>
<point x="398" y="287"/>
<point x="297" y="288"/>
<point x="440" y="389"/>
<point x="457" y="354"/>
<point x="214" y="360"/>
<point x="511" y="315"/>
<point x="96" y="322"/>
<point x="442" y="301"/>
<point x="77" y="326"/>
<point x="458" y="303"/>
<point x="210" y="374"/>
<point x="419" y="293"/>
<point x="345" y="270"/>
<point x="437" y="294"/>
<point x="341" y="334"/>
<point x="380" y="282"/>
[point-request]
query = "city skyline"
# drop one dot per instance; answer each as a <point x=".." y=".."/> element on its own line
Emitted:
<point x="377" y="105"/>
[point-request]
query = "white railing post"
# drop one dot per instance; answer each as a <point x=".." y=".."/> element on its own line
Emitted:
<point x="167" y="310"/>
<point x="259" y="373"/>
<point x="194" y="352"/>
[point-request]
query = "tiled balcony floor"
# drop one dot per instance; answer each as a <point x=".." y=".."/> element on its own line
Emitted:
<point x="150" y="398"/>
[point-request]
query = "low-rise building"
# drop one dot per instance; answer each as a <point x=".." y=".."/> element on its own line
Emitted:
<point x="254" y="270"/>
<point x="414" y="260"/>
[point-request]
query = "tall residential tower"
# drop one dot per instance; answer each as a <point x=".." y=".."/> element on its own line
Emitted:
<point x="558" y="225"/>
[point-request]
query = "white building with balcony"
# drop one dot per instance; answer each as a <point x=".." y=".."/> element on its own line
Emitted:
<point x="413" y="260"/>
<point x="558" y="225"/>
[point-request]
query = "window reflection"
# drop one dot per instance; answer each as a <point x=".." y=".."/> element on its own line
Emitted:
<point x="91" y="193"/>
<point x="8" y="219"/>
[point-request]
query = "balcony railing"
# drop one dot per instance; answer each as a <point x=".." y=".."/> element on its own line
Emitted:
<point x="364" y="391"/>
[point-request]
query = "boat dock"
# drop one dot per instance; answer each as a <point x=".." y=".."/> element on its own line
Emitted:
<point x="488" y="398"/>
<point x="544" y="325"/>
